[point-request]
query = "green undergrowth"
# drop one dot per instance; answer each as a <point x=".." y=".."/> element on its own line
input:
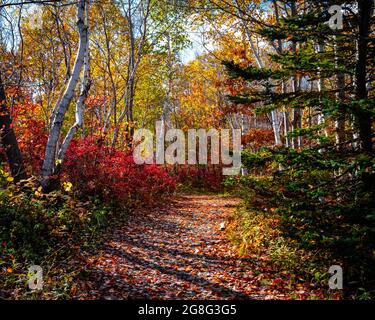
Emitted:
<point x="305" y="234"/>
<point x="257" y="233"/>
<point x="48" y="230"/>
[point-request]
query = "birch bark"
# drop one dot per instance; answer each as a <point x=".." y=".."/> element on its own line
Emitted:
<point x="49" y="164"/>
<point x="80" y="106"/>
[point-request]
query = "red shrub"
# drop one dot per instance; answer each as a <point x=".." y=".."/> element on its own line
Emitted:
<point x="207" y="177"/>
<point x="257" y="138"/>
<point x="31" y="132"/>
<point x="113" y="176"/>
<point x="32" y="139"/>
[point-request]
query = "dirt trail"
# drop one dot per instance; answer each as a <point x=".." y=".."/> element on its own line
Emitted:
<point x="175" y="252"/>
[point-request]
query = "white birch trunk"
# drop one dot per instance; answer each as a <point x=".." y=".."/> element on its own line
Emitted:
<point x="80" y="106"/>
<point x="62" y="106"/>
<point x="321" y="119"/>
<point x="134" y="61"/>
<point x="258" y="59"/>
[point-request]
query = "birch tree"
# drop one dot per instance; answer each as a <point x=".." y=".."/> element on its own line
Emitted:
<point x="85" y="87"/>
<point x="50" y="160"/>
<point x="137" y="16"/>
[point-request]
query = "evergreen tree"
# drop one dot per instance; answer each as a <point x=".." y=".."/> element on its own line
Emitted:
<point x="323" y="186"/>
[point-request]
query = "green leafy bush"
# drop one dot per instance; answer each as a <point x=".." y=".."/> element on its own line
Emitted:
<point x="323" y="203"/>
<point x="41" y="229"/>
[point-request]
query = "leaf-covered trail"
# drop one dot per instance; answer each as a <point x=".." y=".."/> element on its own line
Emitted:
<point x="178" y="252"/>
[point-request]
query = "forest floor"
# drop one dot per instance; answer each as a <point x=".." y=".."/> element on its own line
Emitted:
<point x="178" y="251"/>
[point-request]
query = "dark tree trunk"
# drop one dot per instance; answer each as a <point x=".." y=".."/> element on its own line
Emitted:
<point x="9" y="140"/>
<point x="363" y="118"/>
<point x="340" y="121"/>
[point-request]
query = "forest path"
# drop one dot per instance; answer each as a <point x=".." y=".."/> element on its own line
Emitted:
<point x="176" y="252"/>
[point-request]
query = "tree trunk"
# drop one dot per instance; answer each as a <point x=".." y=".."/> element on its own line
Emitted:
<point x="340" y="120"/>
<point x="80" y="106"/>
<point x="9" y="140"/>
<point x="363" y="118"/>
<point x="297" y="116"/>
<point x="48" y="168"/>
<point x="276" y="128"/>
<point x="340" y="86"/>
<point x="135" y="56"/>
<point x="320" y="84"/>
<point x="260" y="63"/>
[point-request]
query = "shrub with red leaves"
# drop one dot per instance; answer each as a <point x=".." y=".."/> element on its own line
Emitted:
<point x="208" y="177"/>
<point x="32" y="139"/>
<point x="112" y="175"/>
<point x="31" y="132"/>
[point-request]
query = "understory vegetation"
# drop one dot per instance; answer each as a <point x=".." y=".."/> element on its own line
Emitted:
<point x="308" y="219"/>
<point x="44" y="229"/>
